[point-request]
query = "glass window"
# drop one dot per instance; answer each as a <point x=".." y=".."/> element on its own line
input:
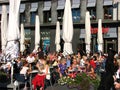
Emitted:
<point x="47" y="16"/>
<point x="33" y="14"/>
<point x="27" y="33"/>
<point x="60" y="15"/>
<point x="108" y="11"/>
<point x="22" y="17"/>
<point x="76" y="15"/>
<point x="92" y="13"/>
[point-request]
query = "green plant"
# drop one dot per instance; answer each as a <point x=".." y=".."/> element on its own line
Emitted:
<point x="3" y="77"/>
<point x="81" y="81"/>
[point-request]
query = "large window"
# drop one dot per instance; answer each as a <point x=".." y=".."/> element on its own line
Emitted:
<point x="22" y="14"/>
<point x="47" y="11"/>
<point x="33" y="14"/>
<point x="33" y="10"/>
<point x="92" y="11"/>
<point x="22" y="18"/>
<point x="47" y="16"/>
<point x="76" y="15"/>
<point x="60" y="10"/>
<point x="60" y="15"/>
<point x="108" y="11"/>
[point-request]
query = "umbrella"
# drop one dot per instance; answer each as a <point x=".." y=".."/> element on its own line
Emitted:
<point x="22" y="39"/>
<point x="3" y="27"/>
<point x="37" y="32"/>
<point x="100" y="36"/>
<point x="67" y="28"/>
<point x="13" y="34"/>
<point x="87" y="32"/>
<point x="57" y="37"/>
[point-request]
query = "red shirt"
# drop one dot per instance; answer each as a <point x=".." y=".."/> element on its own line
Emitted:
<point x="92" y="63"/>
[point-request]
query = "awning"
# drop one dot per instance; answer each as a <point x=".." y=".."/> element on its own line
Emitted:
<point x="47" y="5"/>
<point x="61" y="4"/>
<point x="107" y="2"/>
<point x="22" y="8"/>
<point x="75" y="3"/>
<point x="34" y="7"/>
<point x="91" y="3"/>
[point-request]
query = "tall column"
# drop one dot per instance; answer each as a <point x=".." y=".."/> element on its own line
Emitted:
<point x="99" y="9"/>
<point x="54" y="11"/>
<point x="52" y="40"/>
<point x="40" y="10"/>
<point x="118" y="10"/>
<point x="83" y="6"/>
<point x="118" y="38"/>
<point x="27" y="13"/>
<point x="75" y="40"/>
<point x="32" y="45"/>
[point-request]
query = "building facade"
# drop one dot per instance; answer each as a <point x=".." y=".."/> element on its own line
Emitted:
<point x="51" y="11"/>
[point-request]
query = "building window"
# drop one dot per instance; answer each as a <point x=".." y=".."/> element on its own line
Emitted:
<point x="33" y="10"/>
<point x="108" y="12"/>
<point x="47" y="12"/>
<point x="60" y="10"/>
<point x="60" y="15"/>
<point x="22" y="18"/>
<point x="22" y="14"/>
<point x="92" y="13"/>
<point x="47" y="16"/>
<point x="32" y="20"/>
<point x="76" y="15"/>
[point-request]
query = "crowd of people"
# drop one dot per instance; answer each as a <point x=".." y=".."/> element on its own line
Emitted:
<point x="56" y="65"/>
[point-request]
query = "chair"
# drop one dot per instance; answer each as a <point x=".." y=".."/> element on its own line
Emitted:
<point x="22" y="80"/>
<point x="49" y="78"/>
<point x="50" y="82"/>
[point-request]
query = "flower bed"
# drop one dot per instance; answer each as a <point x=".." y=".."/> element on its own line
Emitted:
<point x="82" y="81"/>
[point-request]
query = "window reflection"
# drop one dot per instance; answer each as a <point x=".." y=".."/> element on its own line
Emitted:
<point x="60" y="15"/>
<point x="47" y="16"/>
<point x="32" y="20"/>
<point x="92" y="13"/>
<point x="22" y="18"/>
<point x="76" y="15"/>
<point x="108" y="12"/>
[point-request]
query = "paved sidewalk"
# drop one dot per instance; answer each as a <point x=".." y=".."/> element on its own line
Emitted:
<point x="59" y="87"/>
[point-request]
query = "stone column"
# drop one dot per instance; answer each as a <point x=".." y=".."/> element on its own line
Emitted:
<point x="118" y="10"/>
<point x="32" y="45"/>
<point x="53" y="11"/>
<point x="83" y="6"/>
<point x="52" y="40"/>
<point x="118" y="38"/>
<point x="27" y="13"/>
<point x="75" y="40"/>
<point x="99" y="9"/>
<point x="40" y="11"/>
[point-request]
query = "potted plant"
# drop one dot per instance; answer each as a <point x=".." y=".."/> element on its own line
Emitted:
<point x="82" y="81"/>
